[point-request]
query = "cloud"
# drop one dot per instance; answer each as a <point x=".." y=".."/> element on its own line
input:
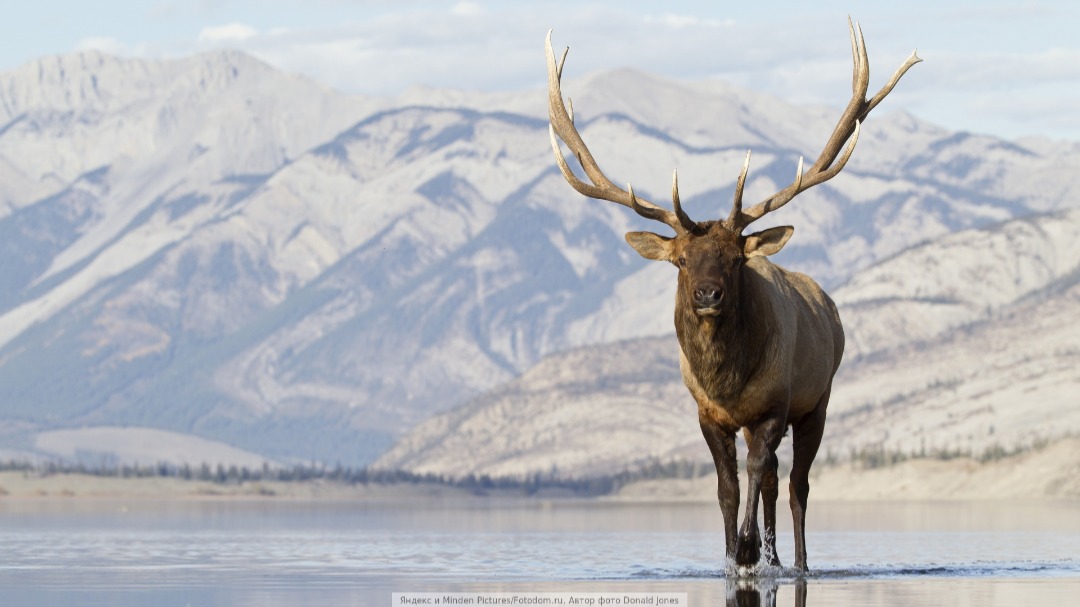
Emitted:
<point x="172" y="9"/>
<point x="997" y="71"/>
<point x="680" y="21"/>
<point x="500" y="47"/>
<point x="233" y="32"/>
<point x="800" y="54"/>
<point x="467" y="9"/>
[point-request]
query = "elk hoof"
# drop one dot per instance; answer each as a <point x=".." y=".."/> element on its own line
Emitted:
<point x="748" y="551"/>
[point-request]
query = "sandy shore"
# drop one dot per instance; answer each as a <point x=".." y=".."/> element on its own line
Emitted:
<point x="1052" y="472"/>
<point x="17" y="485"/>
<point x="1049" y="473"/>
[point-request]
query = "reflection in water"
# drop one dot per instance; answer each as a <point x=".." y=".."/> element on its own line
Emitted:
<point x="760" y="592"/>
<point x="220" y="552"/>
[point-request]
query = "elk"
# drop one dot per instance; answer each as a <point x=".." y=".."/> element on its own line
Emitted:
<point x="759" y="345"/>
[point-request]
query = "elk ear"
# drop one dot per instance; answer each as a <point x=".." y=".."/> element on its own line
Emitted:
<point x="651" y="246"/>
<point x="767" y="242"/>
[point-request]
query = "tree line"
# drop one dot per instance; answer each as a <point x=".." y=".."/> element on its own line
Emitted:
<point x="875" y="456"/>
<point x="532" y="484"/>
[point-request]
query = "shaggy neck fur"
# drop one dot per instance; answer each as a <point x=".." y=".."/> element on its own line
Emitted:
<point x="725" y="350"/>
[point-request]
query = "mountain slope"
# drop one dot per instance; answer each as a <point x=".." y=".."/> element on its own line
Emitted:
<point x="210" y="247"/>
<point x="1002" y="374"/>
<point x="988" y="346"/>
<point x="589" y="411"/>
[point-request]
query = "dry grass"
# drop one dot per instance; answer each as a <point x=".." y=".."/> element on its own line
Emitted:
<point x="1051" y="472"/>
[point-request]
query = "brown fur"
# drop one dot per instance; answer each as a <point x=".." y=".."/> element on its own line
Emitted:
<point x="759" y="345"/>
<point x="722" y="354"/>
<point x="762" y="358"/>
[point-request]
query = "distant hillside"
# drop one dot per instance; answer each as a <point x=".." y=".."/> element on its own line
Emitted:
<point x="1051" y="472"/>
<point x="209" y="247"/>
<point x="967" y="343"/>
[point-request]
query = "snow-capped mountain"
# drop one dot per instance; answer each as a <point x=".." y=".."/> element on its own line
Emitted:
<point x="209" y="247"/>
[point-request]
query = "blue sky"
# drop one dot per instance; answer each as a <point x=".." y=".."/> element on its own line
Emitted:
<point x="1004" y="68"/>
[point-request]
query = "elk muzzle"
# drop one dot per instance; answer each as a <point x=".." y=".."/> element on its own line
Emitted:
<point x="707" y="298"/>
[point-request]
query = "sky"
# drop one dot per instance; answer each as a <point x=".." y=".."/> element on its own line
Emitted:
<point x="1008" y="69"/>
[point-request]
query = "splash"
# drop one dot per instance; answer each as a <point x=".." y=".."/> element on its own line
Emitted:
<point x="761" y="570"/>
<point x="767" y="574"/>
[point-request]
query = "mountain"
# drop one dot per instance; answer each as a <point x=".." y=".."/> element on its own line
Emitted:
<point x="964" y="343"/>
<point x="591" y="410"/>
<point x="212" y="248"/>
<point x="123" y="226"/>
<point x="968" y="343"/>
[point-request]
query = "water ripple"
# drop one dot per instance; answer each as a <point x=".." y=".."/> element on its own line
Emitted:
<point x="1056" y="568"/>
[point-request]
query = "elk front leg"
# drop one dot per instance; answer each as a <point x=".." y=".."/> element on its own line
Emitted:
<point x="770" y="491"/>
<point x="722" y="446"/>
<point x="806" y="438"/>
<point x="763" y="439"/>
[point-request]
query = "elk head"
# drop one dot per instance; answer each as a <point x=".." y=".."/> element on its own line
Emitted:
<point x="710" y="254"/>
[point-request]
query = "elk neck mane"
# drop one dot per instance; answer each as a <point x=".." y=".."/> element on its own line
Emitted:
<point x="724" y="353"/>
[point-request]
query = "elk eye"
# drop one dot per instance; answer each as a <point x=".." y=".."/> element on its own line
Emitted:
<point x="682" y="261"/>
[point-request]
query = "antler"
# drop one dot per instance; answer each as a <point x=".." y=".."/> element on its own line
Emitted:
<point x="827" y="166"/>
<point x="561" y="116"/>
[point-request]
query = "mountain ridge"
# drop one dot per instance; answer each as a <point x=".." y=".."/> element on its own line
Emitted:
<point x="306" y="275"/>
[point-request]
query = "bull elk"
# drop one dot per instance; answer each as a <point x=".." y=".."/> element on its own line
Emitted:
<point x="759" y="345"/>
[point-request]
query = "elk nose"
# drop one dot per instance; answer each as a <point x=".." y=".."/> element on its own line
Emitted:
<point x="708" y="296"/>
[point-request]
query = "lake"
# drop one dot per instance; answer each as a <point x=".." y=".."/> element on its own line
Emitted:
<point x="266" y="552"/>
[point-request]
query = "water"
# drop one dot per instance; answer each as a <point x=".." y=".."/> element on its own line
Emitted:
<point x="87" y="552"/>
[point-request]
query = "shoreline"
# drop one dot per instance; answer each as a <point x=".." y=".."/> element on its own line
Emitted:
<point x="1050" y="473"/>
<point x="19" y="486"/>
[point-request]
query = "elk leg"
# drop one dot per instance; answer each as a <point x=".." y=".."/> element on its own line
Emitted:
<point x="806" y="438"/>
<point x="722" y="446"/>
<point x="770" y="491"/>
<point x="763" y="440"/>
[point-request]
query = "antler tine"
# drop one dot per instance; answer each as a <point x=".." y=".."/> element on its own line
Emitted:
<point x="562" y="60"/>
<point x="562" y="127"/>
<point x="912" y="59"/>
<point x="684" y="220"/>
<point x="860" y="77"/>
<point x="775" y="201"/>
<point x="847" y="129"/>
<point x="648" y="212"/>
<point x="736" y="206"/>
<point x="854" y="57"/>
